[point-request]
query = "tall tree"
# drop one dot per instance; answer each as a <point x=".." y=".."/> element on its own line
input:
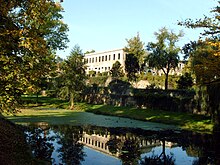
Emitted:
<point x="204" y="57"/>
<point x="73" y="75"/>
<point x="116" y="71"/>
<point x="136" y="47"/>
<point x="30" y="33"/>
<point x="131" y="67"/>
<point x="204" y="60"/>
<point x="205" y="54"/>
<point x="209" y="24"/>
<point x="164" y="53"/>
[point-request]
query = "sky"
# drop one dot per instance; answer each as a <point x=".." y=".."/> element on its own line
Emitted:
<point x="103" y="25"/>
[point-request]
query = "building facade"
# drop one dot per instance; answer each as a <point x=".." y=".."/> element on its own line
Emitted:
<point x="102" y="61"/>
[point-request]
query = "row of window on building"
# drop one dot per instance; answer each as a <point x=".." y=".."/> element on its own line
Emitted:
<point x="103" y="58"/>
<point x="100" y="68"/>
<point x="95" y="143"/>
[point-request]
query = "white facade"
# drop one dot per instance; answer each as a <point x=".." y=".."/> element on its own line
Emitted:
<point x="103" y="61"/>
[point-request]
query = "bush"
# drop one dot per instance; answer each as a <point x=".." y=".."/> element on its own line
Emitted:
<point x="119" y="87"/>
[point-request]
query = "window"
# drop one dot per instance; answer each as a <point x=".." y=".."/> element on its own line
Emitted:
<point x="99" y="59"/>
<point x="109" y="57"/>
<point x="96" y="59"/>
<point x="106" y="58"/>
<point x="89" y="60"/>
<point x="92" y="60"/>
<point x="118" y="56"/>
<point x="102" y="58"/>
<point x="113" y="56"/>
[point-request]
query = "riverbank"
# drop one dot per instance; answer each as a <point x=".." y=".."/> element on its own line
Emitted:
<point x="14" y="149"/>
<point x="55" y="111"/>
<point x="196" y="123"/>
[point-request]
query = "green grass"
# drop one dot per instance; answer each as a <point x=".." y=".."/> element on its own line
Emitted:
<point x="55" y="111"/>
<point x="198" y="123"/>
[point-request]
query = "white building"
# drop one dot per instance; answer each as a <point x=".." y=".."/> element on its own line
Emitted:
<point x="103" y="61"/>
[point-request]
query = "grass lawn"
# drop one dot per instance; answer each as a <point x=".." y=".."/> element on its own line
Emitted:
<point x="198" y="123"/>
<point x="53" y="111"/>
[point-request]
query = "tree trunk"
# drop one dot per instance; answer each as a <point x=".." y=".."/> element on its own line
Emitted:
<point x="71" y="101"/>
<point x="166" y="81"/>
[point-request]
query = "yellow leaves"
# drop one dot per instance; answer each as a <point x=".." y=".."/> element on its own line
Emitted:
<point x="206" y="61"/>
<point x="216" y="47"/>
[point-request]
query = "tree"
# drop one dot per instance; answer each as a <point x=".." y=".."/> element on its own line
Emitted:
<point x="116" y="71"/>
<point x="73" y="75"/>
<point x="204" y="57"/>
<point x="131" y="67"/>
<point x="91" y="51"/>
<point x="204" y="60"/>
<point x="136" y="47"/>
<point x="164" y="53"/>
<point x="185" y="81"/>
<point x="209" y="24"/>
<point x="30" y="33"/>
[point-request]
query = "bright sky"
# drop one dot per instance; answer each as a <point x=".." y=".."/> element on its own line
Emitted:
<point x="106" y="24"/>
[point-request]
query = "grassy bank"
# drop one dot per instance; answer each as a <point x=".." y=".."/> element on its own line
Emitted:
<point x="198" y="123"/>
<point x="46" y="111"/>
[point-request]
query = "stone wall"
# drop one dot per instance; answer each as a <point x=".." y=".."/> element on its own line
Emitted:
<point x="171" y="100"/>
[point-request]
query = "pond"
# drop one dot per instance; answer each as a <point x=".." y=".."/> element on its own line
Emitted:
<point x="97" y="145"/>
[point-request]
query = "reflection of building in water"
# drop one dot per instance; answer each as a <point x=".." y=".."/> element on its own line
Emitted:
<point x="99" y="142"/>
<point x="96" y="141"/>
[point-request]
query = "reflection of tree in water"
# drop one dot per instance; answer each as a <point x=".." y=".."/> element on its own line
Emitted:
<point x="157" y="160"/>
<point x="71" y="151"/>
<point x="162" y="159"/>
<point x="130" y="153"/>
<point x="40" y="143"/>
<point x="124" y="143"/>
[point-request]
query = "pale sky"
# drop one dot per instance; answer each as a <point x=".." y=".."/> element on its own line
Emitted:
<point x="106" y="24"/>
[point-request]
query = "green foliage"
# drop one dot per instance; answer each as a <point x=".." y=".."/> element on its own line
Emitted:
<point x="131" y="67"/>
<point x="73" y="75"/>
<point x="92" y="73"/>
<point x="116" y="71"/>
<point x="164" y="53"/>
<point x="104" y="74"/>
<point x="98" y="80"/>
<point x="204" y="60"/>
<point x="185" y="81"/>
<point x="119" y="87"/>
<point x="136" y="47"/>
<point x="92" y="51"/>
<point x="211" y="24"/>
<point x="157" y="81"/>
<point x="30" y="33"/>
<point x="204" y="57"/>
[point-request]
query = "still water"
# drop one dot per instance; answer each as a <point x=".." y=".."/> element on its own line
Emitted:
<point x="96" y="145"/>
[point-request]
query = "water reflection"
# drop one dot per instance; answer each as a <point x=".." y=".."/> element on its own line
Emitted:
<point x="65" y="144"/>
